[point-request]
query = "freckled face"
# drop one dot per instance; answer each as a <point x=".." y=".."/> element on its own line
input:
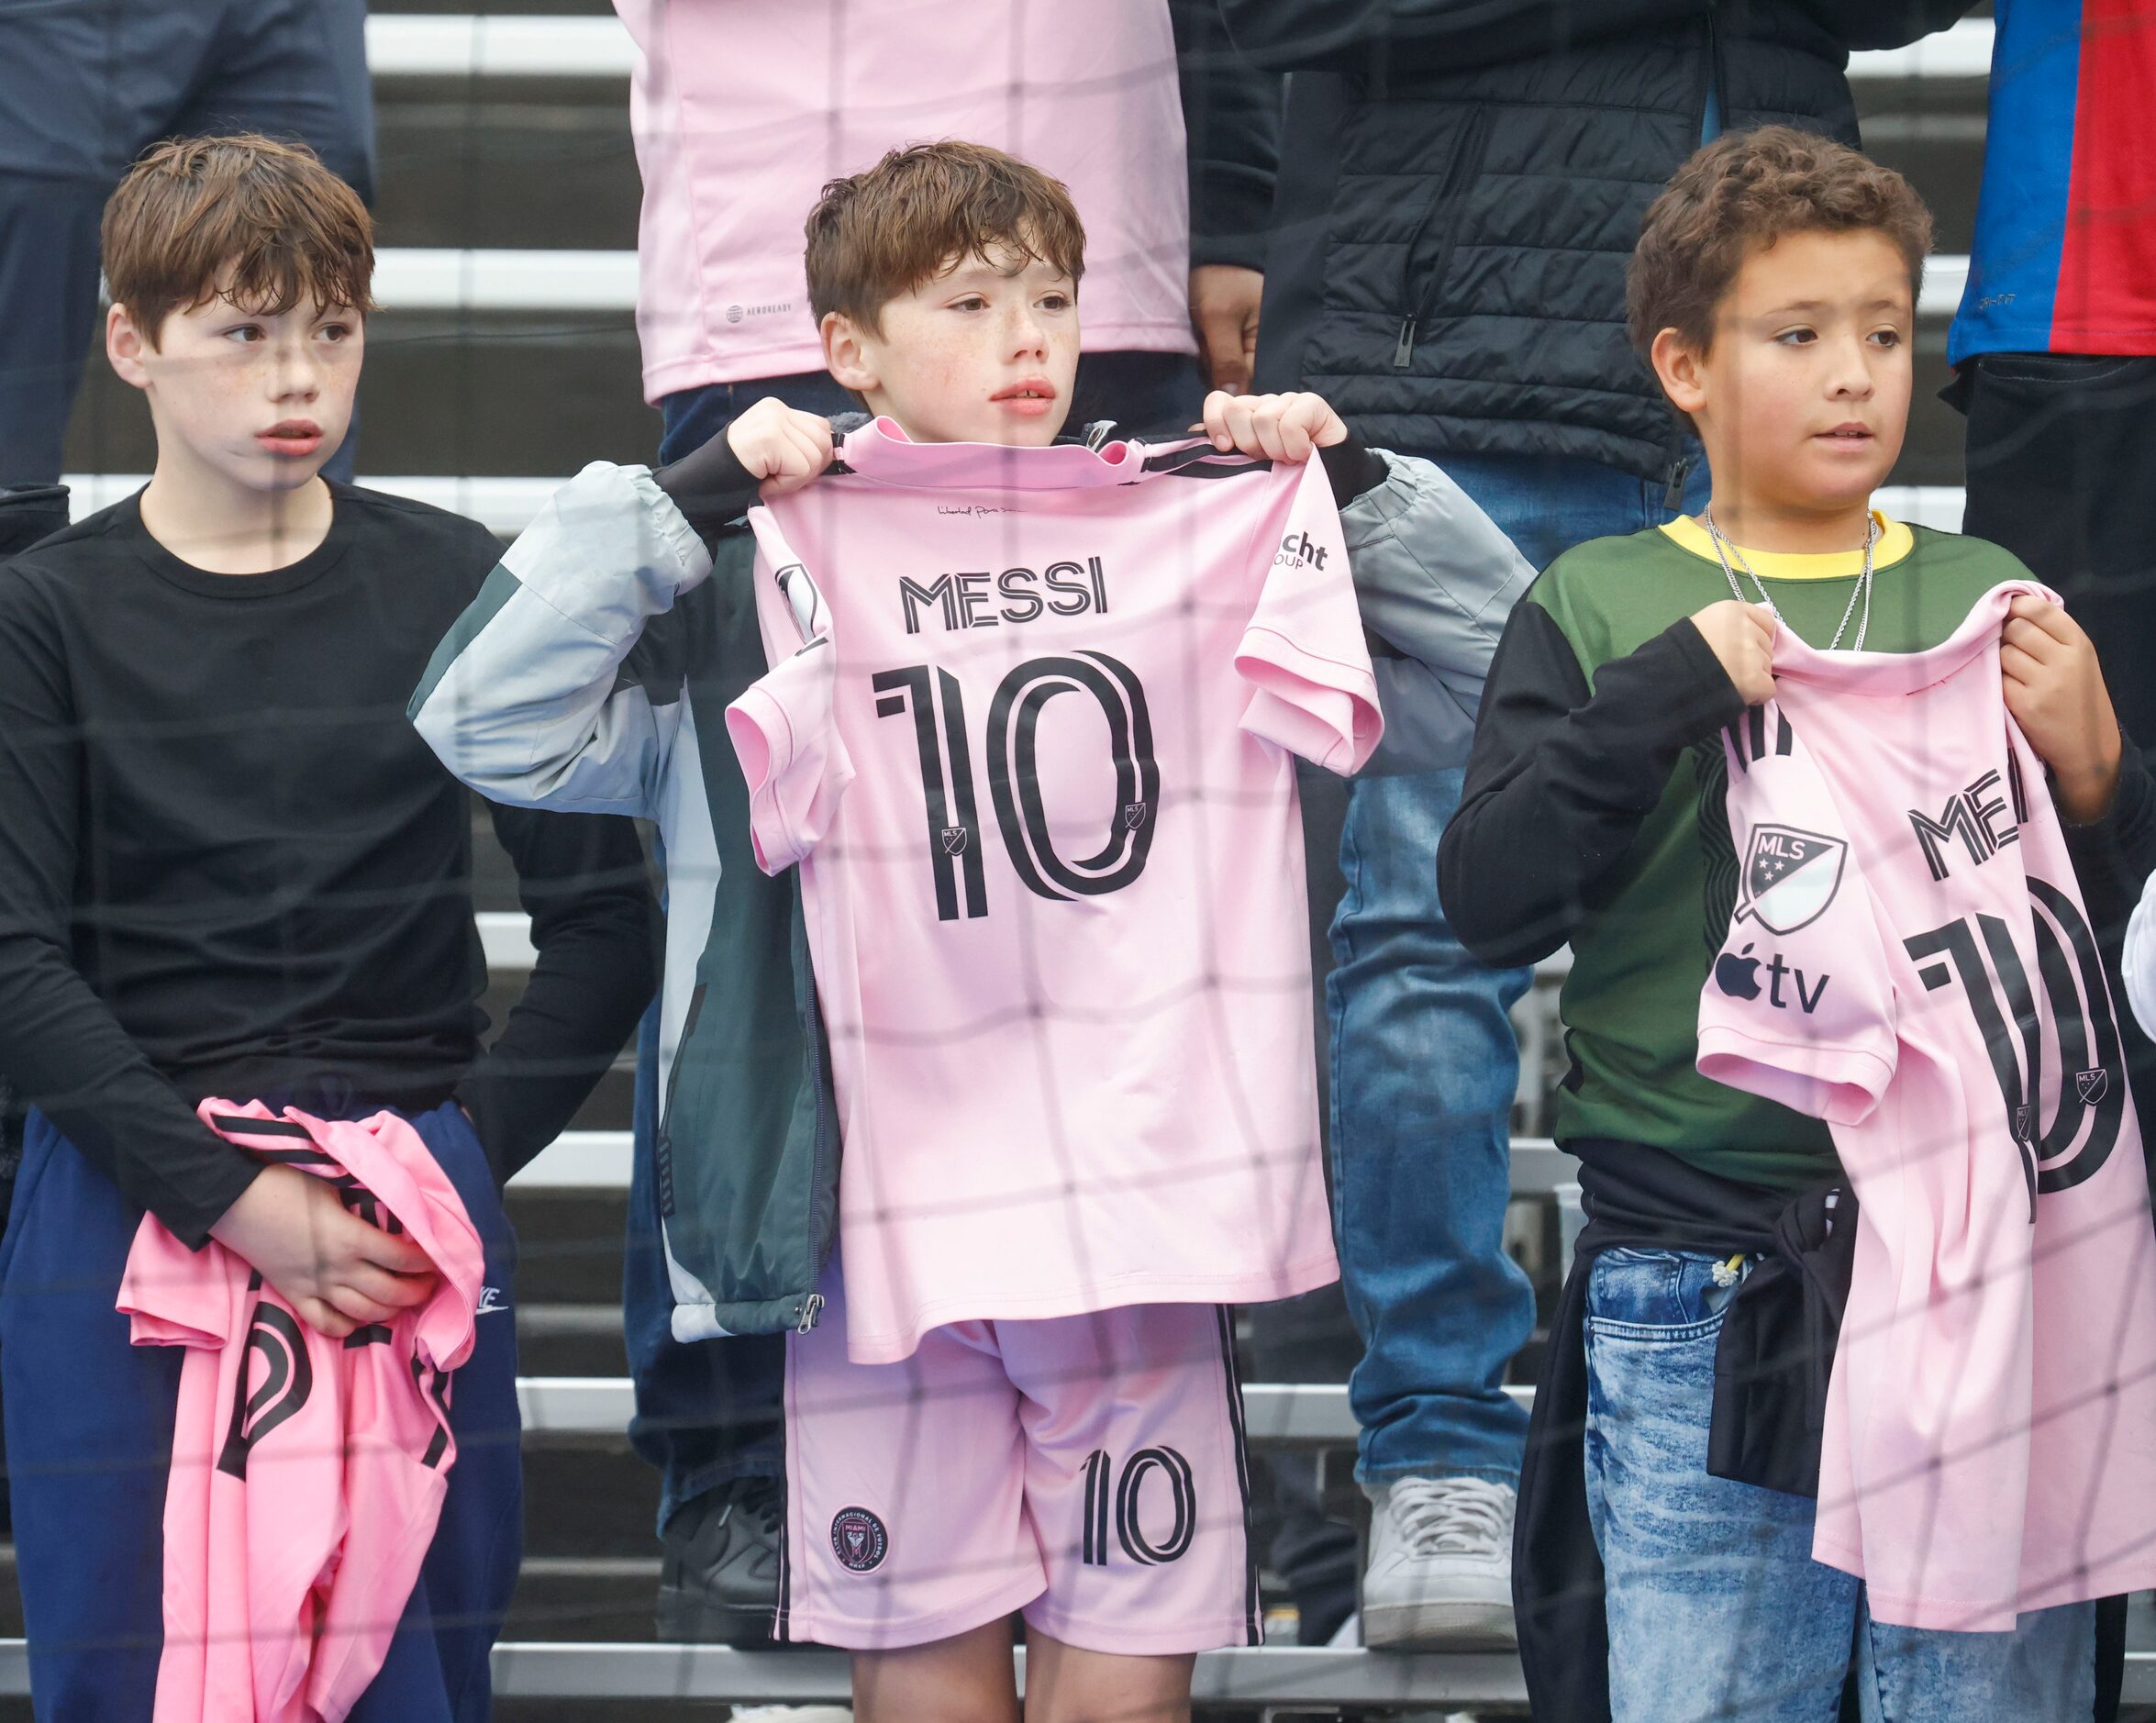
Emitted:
<point x="263" y="399"/>
<point x="980" y="353"/>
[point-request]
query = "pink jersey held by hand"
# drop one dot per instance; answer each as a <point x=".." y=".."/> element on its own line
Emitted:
<point x="307" y="1472"/>
<point x="1029" y="732"/>
<point x="1909" y="960"/>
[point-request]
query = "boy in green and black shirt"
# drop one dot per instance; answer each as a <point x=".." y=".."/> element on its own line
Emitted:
<point x="1773" y="290"/>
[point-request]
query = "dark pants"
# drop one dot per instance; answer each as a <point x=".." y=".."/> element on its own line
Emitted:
<point x="711" y="1411"/>
<point x="89" y="1443"/>
<point x="2062" y="473"/>
<point x="86" y="86"/>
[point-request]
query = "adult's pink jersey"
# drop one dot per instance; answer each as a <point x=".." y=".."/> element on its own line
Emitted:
<point x="743" y="108"/>
<point x="1029" y="732"/>
<point x="1909" y="960"/>
<point x="307" y="1472"/>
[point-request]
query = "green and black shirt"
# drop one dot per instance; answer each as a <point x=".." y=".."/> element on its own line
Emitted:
<point x="1594" y="813"/>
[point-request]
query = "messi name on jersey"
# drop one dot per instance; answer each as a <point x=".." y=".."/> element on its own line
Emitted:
<point x="980" y="599"/>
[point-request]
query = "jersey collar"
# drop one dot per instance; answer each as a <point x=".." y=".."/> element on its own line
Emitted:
<point x="1887" y="674"/>
<point x="882" y="451"/>
<point x="1895" y="541"/>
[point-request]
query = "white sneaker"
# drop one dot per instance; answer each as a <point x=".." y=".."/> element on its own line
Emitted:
<point x="1441" y="1565"/>
<point x="793" y="1714"/>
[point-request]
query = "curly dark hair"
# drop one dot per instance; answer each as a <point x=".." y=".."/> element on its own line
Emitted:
<point x="1739" y="195"/>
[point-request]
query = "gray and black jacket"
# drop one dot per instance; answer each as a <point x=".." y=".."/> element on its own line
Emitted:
<point x="592" y="673"/>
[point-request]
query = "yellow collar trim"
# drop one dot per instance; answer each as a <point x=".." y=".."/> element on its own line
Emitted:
<point x="1895" y="541"/>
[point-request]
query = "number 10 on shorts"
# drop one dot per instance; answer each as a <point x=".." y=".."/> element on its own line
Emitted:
<point x="1109" y="1494"/>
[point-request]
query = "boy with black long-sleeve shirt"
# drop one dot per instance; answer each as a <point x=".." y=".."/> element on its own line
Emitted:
<point x="230" y="868"/>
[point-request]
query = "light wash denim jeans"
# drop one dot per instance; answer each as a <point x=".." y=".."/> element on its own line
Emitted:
<point x="1424" y="1064"/>
<point x="1716" y="1607"/>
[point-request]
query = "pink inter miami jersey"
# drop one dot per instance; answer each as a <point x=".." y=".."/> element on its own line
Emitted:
<point x="1909" y="960"/>
<point x="1029" y="732"/>
<point x="307" y="1472"/>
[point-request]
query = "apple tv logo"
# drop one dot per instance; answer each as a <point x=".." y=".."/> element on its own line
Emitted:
<point x="1738" y="975"/>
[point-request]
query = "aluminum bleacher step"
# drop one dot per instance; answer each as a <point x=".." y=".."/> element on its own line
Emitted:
<point x="506" y="506"/>
<point x="1275" y="1675"/>
<point x="598" y="1160"/>
<point x="1275" y="1413"/>
<point x="1344" y="1678"/>
<point x="446" y="278"/>
<point x="504" y="45"/>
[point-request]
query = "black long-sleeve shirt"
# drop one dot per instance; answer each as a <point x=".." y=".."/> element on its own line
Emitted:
<point x="229" y="866"/>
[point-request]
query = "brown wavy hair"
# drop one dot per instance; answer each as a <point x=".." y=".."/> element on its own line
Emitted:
<point x="874" y="236"/>
<point x="1739" y="195"/>
<point x="263" y="223"/>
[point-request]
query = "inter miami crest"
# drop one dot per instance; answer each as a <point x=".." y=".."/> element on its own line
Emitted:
<point x="1790" y="876"/>
<point x="859" y="1539"/>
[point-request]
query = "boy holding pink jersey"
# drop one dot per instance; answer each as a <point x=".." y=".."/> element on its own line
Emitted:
<point x="227" y="868"/>
<point x="1671" y="1561"/>
<point x="1073" y="1075"/>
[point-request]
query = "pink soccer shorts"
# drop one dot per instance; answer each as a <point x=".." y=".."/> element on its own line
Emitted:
<point x="1088" y="1470"/>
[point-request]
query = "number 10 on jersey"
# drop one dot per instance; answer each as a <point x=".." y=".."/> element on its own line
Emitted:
<point x="1011" y="747"/>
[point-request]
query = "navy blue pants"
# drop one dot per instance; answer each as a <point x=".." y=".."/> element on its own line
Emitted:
<point x="87" y="85"/>
<point x="89" y="1440"/>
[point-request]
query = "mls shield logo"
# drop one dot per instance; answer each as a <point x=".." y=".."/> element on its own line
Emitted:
<point x="1790" y="876"/>
<point x="955" y="839"/>
<point x="859" y="1539"/>
<point x="1133" y="816"/>
<point x="2092" y="1085"/>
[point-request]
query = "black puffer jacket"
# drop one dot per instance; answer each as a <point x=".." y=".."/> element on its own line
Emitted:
<point x="1461" y="186"/>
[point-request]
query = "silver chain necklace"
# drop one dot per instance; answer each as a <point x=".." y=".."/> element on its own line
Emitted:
<point x="1725" y="549"/>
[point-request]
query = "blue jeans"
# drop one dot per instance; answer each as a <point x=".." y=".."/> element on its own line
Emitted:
<point x="1715" y="1606"/>
<point x="711" y="1411"/>
<point x="1425" y="1064"/>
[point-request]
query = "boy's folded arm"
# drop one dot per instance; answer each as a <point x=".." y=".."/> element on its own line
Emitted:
<point x="559" y="687"/>
<point x="70" y="1059"/>
<point x="1435" y="578"/>
<point x="59" y="1044"/>
<point x="1563" y="777"/>
<point x="595" y="924"/>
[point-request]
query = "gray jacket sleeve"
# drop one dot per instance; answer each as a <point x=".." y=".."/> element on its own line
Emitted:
<point x="1435" y="580"/>
<point x="556" y="688"/>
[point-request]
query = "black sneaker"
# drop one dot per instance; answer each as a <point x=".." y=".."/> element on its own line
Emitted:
<point x="719" y="1572"/>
